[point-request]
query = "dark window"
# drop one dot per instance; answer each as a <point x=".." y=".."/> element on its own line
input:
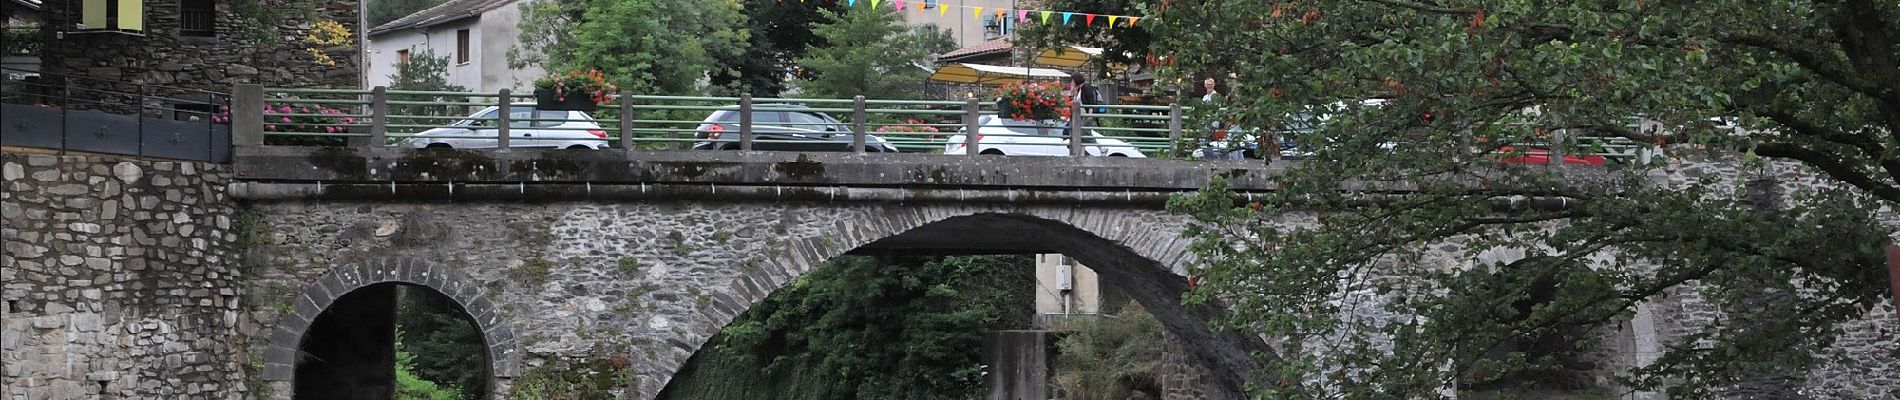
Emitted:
<point x="461" y="46"/>
<point x="402" y="56"/>
<point x="197" y="18"/>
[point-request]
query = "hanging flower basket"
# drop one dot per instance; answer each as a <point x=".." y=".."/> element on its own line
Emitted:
<point x="574" y="91"/>
<point x="1037" y="101"/>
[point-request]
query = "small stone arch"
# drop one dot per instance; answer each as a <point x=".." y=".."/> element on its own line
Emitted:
<point x="280" y="357"/>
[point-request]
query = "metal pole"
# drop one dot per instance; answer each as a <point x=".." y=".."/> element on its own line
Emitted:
<point x="501" y="120"/>
<point x="247" y="115"/>
<point x="745" y="122"/>
<point x="141" y="121"/>
<point x="1174" y="129"/>
<point x="972" y="122"/>
<point x="1075" y="130"/>
<point x="65" y="107"/>
<point x="857" y="124"/>
<point x="626" y="119"/>
<point x="379" y="117"/>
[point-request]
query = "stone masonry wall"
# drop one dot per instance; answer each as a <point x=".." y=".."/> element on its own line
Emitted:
<point x="163" y="57"/>
<point x="116" y="281"/>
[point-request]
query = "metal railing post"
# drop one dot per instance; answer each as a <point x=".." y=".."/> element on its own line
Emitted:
<point x="1075" y="130"/>
<point x="140" y="135"/>
<point x="857" y="124"/>
<point x="1174" y="129"/>
<point x="501" y="119"/>
<point x="379" y="117"/>
<point x="745" y="122"/>
<point x="626" y="119"/>
<point x="972" y="123"/>
<point x="247" y="115"/>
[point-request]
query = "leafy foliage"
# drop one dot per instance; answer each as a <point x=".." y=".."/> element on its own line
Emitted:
<point x="589" y="83"/>
<point x="1111" y="357"/>
<point x="781" y="33"/>
<point x="453" y="357"/>
<point x="869" y="52"/>
<point x="20" y="40"/>
<point x="647" y="46"/>
<point x="1443" y="287"/>
<point x="857" y="328"/>
<point x="410" y="386"/>
<point x="425" y="72"/>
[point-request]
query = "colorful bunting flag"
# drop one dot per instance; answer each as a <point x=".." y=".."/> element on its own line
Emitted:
<point x="1022" y="15"/>
<point x="1045" y="17"/>
<point x="1088" y="20"/>
<point x="899" y="6"/>
<point x="941" y="9"/>
<point x="874" y="3"/>
<point x="1111" y="20"/>
<point x="1132" y="19"/>
<point x="1065" y="17"/>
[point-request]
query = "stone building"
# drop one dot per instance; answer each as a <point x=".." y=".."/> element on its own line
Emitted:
<point x="104" y="56"/>
<point x="474" y="35"/>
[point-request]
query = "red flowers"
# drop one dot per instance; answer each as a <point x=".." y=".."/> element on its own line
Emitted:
<point x="1034" y="101"/>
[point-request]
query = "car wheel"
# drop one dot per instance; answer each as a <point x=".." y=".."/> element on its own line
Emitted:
<point x="438" y="146"/>
<point x="1118" y="155"/>
<point x="991" y="151"/>
<point x="729" y="147"/>
<point x="579" y="147"/>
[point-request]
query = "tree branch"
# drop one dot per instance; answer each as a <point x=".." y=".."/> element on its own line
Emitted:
<point x="1832" y="166"/>
<point x="1427" y="8"/>
<point x="1816" y="62"/>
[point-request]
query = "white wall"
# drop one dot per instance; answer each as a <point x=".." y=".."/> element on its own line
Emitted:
<point x="1084" y="297"/>
<point x="490" y="37"/>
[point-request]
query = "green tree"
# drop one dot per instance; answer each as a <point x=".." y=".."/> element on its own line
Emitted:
<point x="646" y="46"/>
<point x="781" y="33"/>
<point x="384" y="11"/>
<point x="1469" y="82"/>
<point x="1111" y="357"/>
<point x="433" y="326"/>
<point x="411" y="386"/>
<point x="857" y="328"/>
<point x="425" y="71"/>
<point x="868" y="51"/>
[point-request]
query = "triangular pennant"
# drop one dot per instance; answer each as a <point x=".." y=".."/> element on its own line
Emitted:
<point x="1045" y="17"/>
<point x="942" y="8"/>
<point x="1065" y="17"/>
<point x="850" y="3"/>
<point x="874" y="3"/>
<point x="920" y="6"/>
<point x="1088" y="20"/>
<point x="976" y="12"/>
<point x="1131" y="20"/>
<point x="899" y="5"/>
<point x="1111" y="20"/>
<point x="1022" y="15"/>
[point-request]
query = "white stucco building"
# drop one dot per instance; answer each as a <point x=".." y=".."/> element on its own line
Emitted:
<point x="475" y="35"/>
<point x="967" y="25"/>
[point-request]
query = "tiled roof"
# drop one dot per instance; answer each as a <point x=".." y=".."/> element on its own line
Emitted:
<point x="453" y="10"/>
<point x="998" y="45"/>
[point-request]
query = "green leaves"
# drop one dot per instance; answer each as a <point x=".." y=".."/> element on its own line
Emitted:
<point x="1483" y="275"/>
<point x="868" y="51"/>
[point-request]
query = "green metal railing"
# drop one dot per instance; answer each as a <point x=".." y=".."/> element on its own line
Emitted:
<point x="381" y="117"/>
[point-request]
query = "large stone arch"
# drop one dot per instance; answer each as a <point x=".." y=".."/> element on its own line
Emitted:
<point x="498" y="336"/>
<point x="1143" y="255"/>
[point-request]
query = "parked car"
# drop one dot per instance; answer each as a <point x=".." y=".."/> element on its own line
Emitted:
<point x="783" y="127"/>
<point x="527" y="128"/>
<point x="1004" y="136"/>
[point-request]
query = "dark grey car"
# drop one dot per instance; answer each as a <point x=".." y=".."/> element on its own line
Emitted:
<point x="783" y="127"/>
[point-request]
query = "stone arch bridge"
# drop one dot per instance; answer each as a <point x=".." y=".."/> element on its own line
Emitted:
<point x="564" y="256"/>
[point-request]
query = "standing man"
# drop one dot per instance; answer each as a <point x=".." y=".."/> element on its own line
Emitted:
<point x="1085" y="95"/>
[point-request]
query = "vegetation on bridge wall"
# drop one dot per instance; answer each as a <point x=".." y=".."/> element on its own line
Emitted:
<point x="858" y="328"/>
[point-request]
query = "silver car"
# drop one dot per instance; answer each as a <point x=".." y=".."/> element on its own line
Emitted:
<point x="528" y="128"/>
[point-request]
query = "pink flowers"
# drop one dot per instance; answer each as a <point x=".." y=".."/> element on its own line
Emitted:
<point x="287" y="118"/>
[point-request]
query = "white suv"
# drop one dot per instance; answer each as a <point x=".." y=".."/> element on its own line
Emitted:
<point x="527" y="128"/>
<point x="1006" y="136"/>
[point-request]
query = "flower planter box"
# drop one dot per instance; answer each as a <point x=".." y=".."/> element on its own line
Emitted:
<point x="546" y="100"/>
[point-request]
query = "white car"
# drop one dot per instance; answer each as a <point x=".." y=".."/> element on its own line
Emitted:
<point x="528" y="128"/>
<point x="1006" y="136"/>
